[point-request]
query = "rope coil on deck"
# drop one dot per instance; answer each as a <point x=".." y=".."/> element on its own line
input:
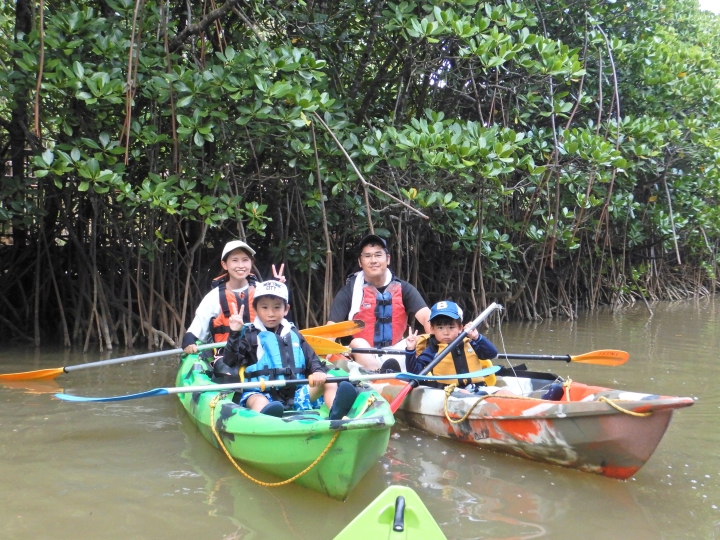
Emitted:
<point x="449" y="390"/>
<point x="213" y="403"/>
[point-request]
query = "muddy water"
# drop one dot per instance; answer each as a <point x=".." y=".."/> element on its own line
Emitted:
<point x="140" y="469"/>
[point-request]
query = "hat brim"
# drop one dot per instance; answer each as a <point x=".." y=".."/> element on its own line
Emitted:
<point x="372" y="239"/>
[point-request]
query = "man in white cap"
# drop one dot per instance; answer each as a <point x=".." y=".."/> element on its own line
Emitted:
<point x="235" y="287"/>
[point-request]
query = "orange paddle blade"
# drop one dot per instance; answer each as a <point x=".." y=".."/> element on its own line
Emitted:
<point x="335" y="330"/>
<point x="606" y="357"/>
<point x="32" y="375"/>
<point x="323" y="346"/>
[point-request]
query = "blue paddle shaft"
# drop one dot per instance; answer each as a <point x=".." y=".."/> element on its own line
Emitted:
<point x="273" y="384"/>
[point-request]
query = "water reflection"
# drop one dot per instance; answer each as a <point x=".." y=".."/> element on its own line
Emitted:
<point x="33" y="387"/>
<point x="258" y="512"/>
<point x="475" y="494"/>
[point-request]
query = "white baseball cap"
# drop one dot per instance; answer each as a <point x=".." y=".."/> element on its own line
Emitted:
<point x="236" y="244"/>
<point x="271" y="288"/>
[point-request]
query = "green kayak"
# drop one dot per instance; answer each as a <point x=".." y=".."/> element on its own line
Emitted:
<point x="335" y="453"/>
<point x="396" y="514"/>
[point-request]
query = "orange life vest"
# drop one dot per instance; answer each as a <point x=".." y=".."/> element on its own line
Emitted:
<point x="220" y="325"/>
<point x="383" y="314"/>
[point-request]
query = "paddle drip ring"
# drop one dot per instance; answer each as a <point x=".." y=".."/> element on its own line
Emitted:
<point x="213" y="403"/>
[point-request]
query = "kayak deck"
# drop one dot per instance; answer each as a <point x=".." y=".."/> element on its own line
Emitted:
<point x="397" y="513"/>
<point x="287" y="446"/>
<point x="592" y="429"/>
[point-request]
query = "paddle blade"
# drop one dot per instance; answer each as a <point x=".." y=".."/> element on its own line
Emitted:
<point x="323" y="346"/>
<point x="149" y="393"/>
<point x="606" y="357"/>
<point x="32" y="375"/>
<point x="335" y="330"/>
<point x="395" y="403"/>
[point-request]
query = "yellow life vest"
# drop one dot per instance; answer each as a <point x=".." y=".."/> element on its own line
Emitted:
<point x="447" y="364"/>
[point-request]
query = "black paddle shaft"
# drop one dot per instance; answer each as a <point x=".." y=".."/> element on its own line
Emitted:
<point x="561" y="358"/>
<point x="377" y="351"/>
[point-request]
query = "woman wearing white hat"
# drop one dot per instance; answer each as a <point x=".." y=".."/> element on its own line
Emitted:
<point x="235" y="287"/>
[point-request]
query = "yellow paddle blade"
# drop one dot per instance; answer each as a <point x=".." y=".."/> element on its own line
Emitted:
<point x="32" y="375"/>
<point x="323" y="346"/>
<point x="335" y="330"/>
<point x="605" y="357"/>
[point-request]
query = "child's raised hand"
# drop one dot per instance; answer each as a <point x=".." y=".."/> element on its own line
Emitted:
<point x="236" y="318"/>
<point x="472" y="334"/>
<point x="411" y="340"/>
<point x="278" y="274"/>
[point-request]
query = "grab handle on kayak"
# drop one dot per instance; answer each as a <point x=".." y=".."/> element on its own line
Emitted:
<point x="399" y="520"/>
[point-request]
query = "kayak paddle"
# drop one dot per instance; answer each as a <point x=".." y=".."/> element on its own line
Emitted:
<point x="335" y="330"/>
<point x="52" y="373"/>
<point x="395" y="404"/>
<point x="340" y="329"/>
<point x="274" y="384"/>
<point x="605" y="357"/>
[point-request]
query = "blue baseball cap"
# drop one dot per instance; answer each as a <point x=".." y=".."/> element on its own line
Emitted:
<point x="449" y="309"/>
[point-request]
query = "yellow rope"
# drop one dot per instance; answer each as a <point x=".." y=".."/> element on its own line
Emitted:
<point x="213" y="403"/>
<point x="619" y="408"/>
<point x="449" y="390"/>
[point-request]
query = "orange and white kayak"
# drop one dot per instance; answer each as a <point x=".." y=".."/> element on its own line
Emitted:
<point x="589" y="428"/>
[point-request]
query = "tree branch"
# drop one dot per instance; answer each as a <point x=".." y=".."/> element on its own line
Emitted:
<point x="202" y="26"/>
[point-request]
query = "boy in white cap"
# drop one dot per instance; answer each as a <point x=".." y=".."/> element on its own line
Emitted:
<point x="446" y="324"/>
<point x="235" y="287"/>
<point x="271" y="348"/>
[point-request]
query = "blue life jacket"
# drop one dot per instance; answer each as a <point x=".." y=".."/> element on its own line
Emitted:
<point x="282" y="357"/>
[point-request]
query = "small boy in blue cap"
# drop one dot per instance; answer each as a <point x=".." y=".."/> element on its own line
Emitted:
<point x="446" y="324"/>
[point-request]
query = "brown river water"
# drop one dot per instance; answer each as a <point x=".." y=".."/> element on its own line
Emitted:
<point x="140" y="469"/>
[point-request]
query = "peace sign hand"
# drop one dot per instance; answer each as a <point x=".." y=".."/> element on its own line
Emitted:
<point x="236" y="318"/>
<point x="411" y="340"/>
<point x="278" y="274"/>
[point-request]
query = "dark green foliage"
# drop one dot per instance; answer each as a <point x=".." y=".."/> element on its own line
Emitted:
<point x="499" y="122"/>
